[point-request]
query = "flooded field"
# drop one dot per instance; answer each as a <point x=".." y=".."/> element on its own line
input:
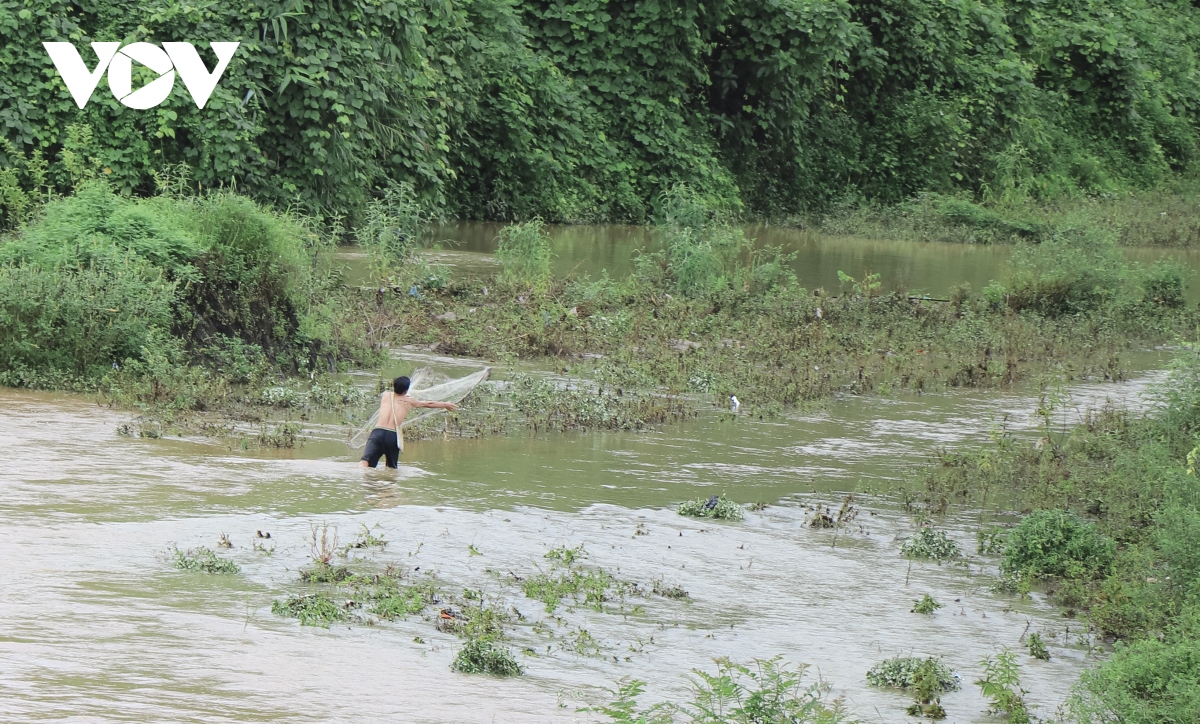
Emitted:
<point x="929" y="267"/>
<point x="98" y="624"/>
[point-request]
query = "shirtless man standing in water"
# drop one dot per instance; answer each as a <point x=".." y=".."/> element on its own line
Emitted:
<point x="385" y="439"/>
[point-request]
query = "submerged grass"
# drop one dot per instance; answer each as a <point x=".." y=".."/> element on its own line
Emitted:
<point x="717" y="507"/>
<point x="480" y="656"/>
<point x="931" y="544"/>
<point x="312" y="609"/>
<point x="204" y="560"/>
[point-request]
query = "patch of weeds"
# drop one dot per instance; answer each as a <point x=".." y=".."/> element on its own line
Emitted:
<point x="925" y="604"/>
<point x="930" y="543"/>
<point x="1001" y="685"/>
<point x="583" y="643"/>
<point x="224" y="542"/>
<point x="205" y="560"/>
<point x="900" y="673"/>
<point x="480" y="656"/>
<point x="768" y="691"/>
<point x="659" y="588"/>
<point x="1037" y="647"/>
<point x="366" y="538"/>
<point x="591" y="588"/>
<point x="325" y="573"/>
<point x="390" y="601"/>
<point x="313" y="609"/>
<point x="991" y="541"/>
<point x="717" y="507"/>
<point x="472" y="550"/>
<point x="567" y="556"/>
<point x="927" y="701"/>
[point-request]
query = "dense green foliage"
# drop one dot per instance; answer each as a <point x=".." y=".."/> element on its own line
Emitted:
<point x="102" y="281"/>
<point x="1056" y="543"/>
<point x="583" y="109"/>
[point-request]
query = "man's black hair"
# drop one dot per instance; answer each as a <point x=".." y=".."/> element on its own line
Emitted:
<point x="400" y="385"/>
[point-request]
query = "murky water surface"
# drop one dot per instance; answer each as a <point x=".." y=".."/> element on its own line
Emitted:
<point x="97" y="625"/>
<point x="929" y="267"/>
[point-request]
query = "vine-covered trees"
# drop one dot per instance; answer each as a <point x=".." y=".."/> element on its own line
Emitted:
<point x="587" y="109"/>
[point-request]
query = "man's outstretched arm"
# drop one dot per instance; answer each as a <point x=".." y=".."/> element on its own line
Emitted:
<point x="437" y="405"/>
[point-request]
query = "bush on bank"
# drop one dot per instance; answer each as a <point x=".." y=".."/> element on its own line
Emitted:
<point x="101" y="282"/>
<point x="1113" y="535"/>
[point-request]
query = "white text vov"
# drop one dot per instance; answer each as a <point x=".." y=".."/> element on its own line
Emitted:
<point x="118" y="61"/>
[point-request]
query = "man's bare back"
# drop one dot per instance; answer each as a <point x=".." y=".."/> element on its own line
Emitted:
<point x="403" y="404"/>
<point x="385" y="440"/>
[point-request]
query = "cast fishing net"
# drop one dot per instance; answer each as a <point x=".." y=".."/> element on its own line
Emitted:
<point x="427" y="385"/>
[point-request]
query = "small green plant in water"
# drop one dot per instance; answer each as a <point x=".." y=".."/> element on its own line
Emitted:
<point x="566" y="556"/>
<point x="926" y="691"/>
<point x="901" y="672"/>
<point x="717" y="506"/>
<point x="930" y="543"/>
<point x="1001" y="685"/>
<point x="205" y="560"/>
<point x="1037" y="647"/>
<point x="925" y="604"/>
<point x="313" y="609"/>
<point x="480" y="656"/>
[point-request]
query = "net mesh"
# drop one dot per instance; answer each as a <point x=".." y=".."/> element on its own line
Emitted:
<point x="429" y="386"/>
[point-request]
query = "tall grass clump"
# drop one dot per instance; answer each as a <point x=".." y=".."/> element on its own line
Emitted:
<point x="524" y="254"/>
<point x="391" y="226"/>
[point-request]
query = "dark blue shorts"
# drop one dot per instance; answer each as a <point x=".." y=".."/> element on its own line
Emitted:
<point x="382" y="443"/>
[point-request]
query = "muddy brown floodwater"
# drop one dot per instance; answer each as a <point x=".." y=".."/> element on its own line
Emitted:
<point x="98" y="625"/>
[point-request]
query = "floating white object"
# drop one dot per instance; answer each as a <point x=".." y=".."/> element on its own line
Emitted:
<point x="734" y="400"/>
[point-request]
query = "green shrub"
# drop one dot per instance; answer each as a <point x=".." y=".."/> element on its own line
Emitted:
<point x="715" y="506"/>
<point x="101" y="279"/>
<point x="1001" y="684"/>
<point x="480" y="656"/>
<point x="1037" y="647"/>
<point x="930" y="543"/>
<point x="900" y="672"/>
<point x="1147" y="682"/>
<point x="1056" y="543"/>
